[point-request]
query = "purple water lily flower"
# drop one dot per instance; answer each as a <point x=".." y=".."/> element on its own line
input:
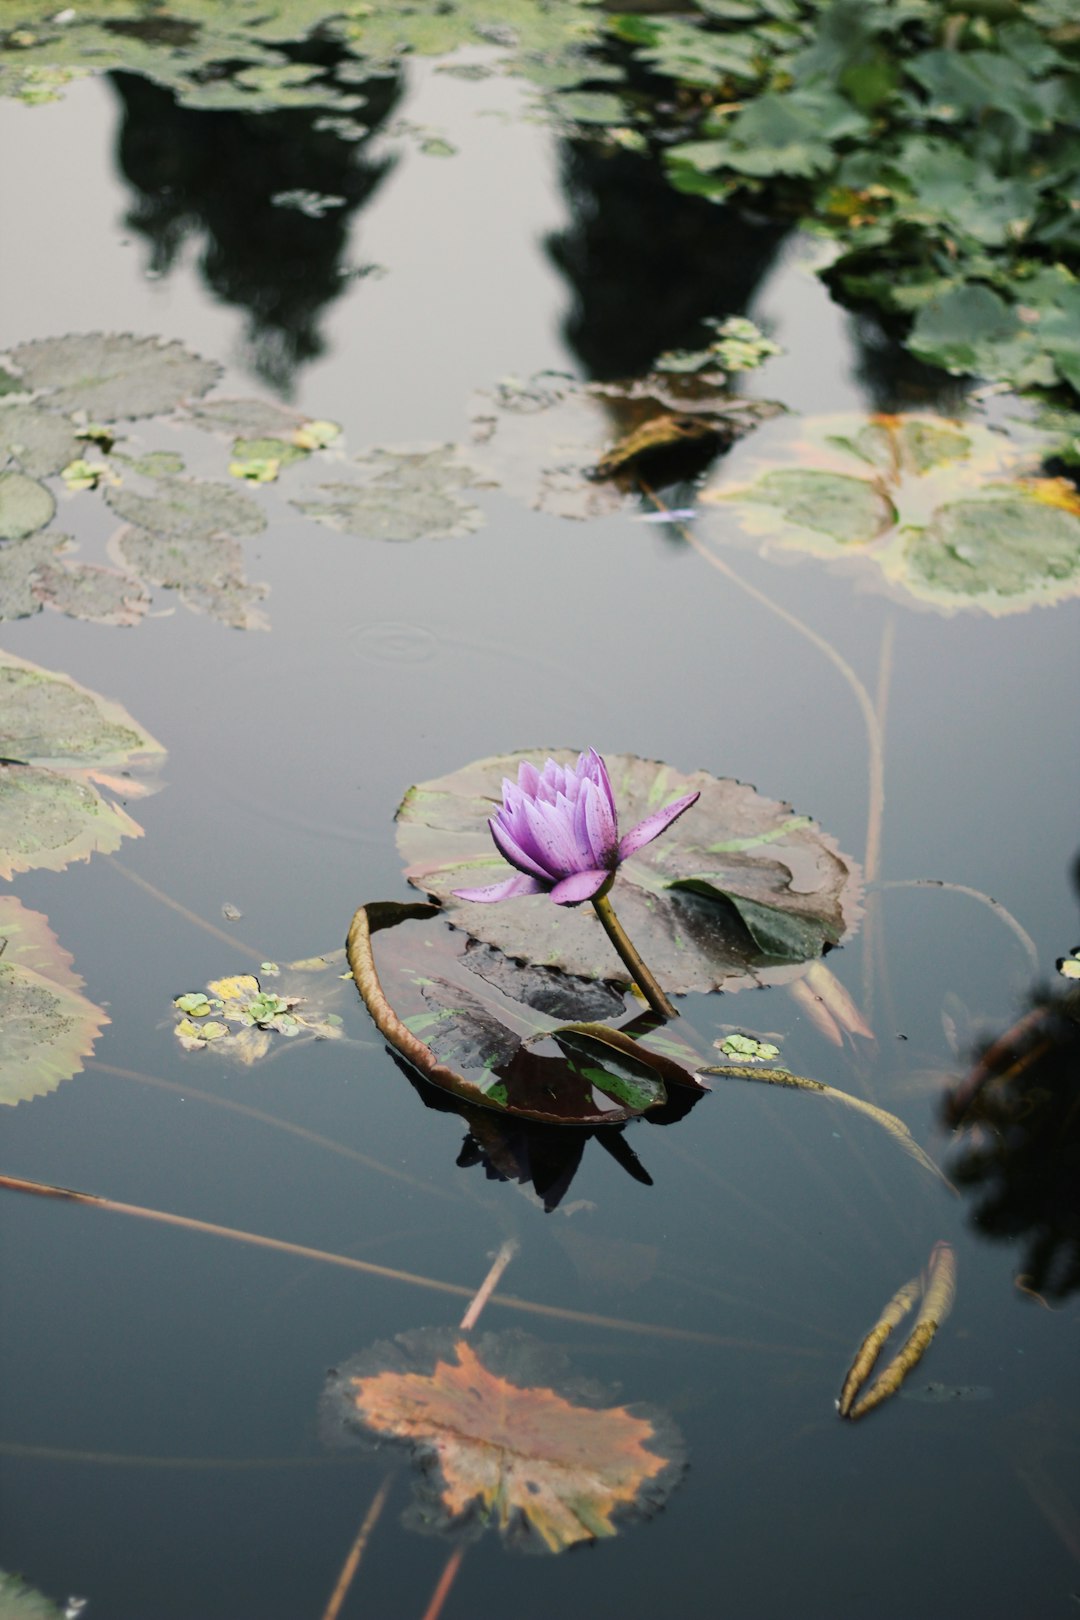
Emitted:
<point x="559" y="828"/>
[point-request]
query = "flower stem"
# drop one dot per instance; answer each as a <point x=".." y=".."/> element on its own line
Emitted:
<point x="640" y="974"/>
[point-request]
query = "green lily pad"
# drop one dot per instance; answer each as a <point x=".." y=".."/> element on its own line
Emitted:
<point x="21" y="1602"/>
<point x="25" y="505"/>
<point x="945" y="513"/>
<point x="401" y="493"/>
<point x="113" y="375"/>
<point x="59" y="741"/>
<point x="47" y="1026"/>
<point x="482" y="1036"/>
<point x="39" y="440"/>
<point x="247" y="418"/>
<point x="740" y="891"/>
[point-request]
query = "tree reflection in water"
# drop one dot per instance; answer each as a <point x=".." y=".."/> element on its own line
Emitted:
<point x="213" y="176"/>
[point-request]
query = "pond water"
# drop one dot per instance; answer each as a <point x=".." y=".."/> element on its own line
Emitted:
<point x="161" y="1447"/>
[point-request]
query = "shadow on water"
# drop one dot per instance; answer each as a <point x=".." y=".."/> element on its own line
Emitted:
<point x="214" y="177"/>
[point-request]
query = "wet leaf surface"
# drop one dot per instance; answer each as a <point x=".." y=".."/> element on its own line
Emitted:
<point x="47" y="1026"/>
<point x="945" y="513"/>
<point x="188" y="508"/>
<point x="739" y="891"/>
<point x="503" y="1439"/>
<point x="113" y="375"/>
<point x="478" y="1030"/>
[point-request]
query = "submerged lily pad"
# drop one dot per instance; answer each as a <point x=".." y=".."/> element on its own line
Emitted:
<point x="740" y="890"/>
<point x="25" y="505"/>
<point x="47" y="1026"/>
<point x="113" y="375"/>
<point x="502" y="1438"/>
<point x="946" y="513"/>
<point x="56" y="740"/>
<point x="473" y="1023"/>
<point x="402" y="493"/>
<point x="84" y="591"/>
<point x="207" y="570"/>
<point x="186" y="508"/>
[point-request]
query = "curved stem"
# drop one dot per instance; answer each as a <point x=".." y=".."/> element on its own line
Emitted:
<point x="640" y="974"/>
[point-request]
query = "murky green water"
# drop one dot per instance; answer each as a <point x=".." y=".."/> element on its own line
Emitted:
<point x="159" y="1439"/>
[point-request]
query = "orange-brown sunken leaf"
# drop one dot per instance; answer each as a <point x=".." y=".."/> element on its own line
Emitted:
<point x="546" y="1468"/>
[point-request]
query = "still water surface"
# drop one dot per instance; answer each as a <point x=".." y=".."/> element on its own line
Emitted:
<point x="159" y="1438"/>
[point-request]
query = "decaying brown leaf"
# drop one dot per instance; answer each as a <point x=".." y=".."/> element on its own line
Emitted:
<point x="498" y="1446"/>
<point x="938" y="1289"/>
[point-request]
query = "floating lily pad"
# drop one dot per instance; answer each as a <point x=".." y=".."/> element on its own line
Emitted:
<point x="501" y="1438"/>
<point x="113" y="375"/>
<point x="739" y="891"/>
<point x="47" y="1026"/>
<point x="247" y="418"/>
<point x="39" y="440"/>
<point x="186" y="508"/>
<point x="943" y="512"/>
<point x="474" y="1025"/>
<point x="25" y="505"/>
<point x="207" y="570"/>
<point x="57" y="739"/>
<point x="84" y="591"/>
<point x="401" y="493"/>
<point x="20" y="562"/>
<point x="240" y="1015"/>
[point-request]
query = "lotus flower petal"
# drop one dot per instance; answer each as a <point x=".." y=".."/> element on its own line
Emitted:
<point x="520" y="883"/>
<point x="571" y="891"/>
<point x="653" y="826"/>
<point x="559" y="827"/>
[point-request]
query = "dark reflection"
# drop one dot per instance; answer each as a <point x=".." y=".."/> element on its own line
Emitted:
<point x="648" y="263"/>
<point x="212" y="176"/>
<point x="1019" y="1157"/>
<point x="543" y="1157"/>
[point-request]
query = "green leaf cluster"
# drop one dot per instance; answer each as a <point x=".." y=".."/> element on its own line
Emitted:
<point x="938" y="148"/>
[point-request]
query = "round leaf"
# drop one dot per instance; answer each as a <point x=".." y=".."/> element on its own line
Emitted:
<point x="47" y="1026"/>
<point x="25" y="505"/>
<point x="111" y="375"/>
<point x="739" y="891"/>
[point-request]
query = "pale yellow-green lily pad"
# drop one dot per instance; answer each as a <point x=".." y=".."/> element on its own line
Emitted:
<point x="946" y="513"/>
<point x="47" y="1025"/>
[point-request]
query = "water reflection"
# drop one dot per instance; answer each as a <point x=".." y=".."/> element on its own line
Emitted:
<point x="648" y="263"/>
<point x="214" y="176"/>
<point x="1019" y="1158"/>
<point x="545" y="1158"/>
